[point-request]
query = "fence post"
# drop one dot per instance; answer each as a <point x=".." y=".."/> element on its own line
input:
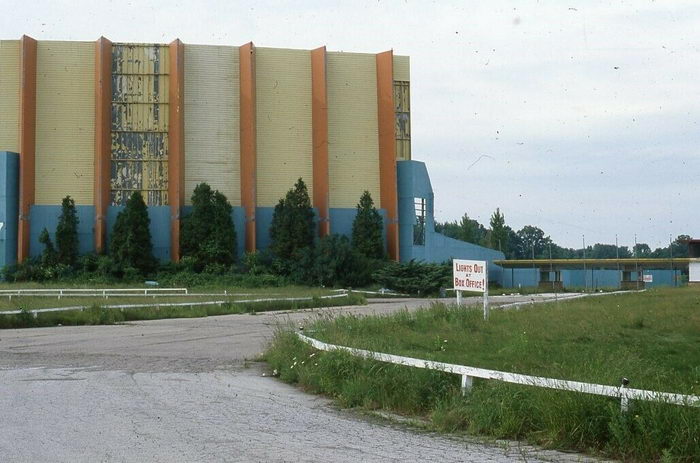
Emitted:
<point x="467" y="383"/>
<point x="624" y="401"/>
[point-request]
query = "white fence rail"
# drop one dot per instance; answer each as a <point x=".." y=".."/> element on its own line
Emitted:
<point x="90" y="292"/>
<point x="467" y="373"/>
<point x="168" y="304"/>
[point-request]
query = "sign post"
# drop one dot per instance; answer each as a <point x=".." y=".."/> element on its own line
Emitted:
<point x="472" y="276"/>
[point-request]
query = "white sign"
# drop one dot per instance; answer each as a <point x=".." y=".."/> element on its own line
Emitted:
<point x="2" y="225"/>
<point x="694" y="271"/>
<point x="648" y="278"/>
<point x="469" y="275"/>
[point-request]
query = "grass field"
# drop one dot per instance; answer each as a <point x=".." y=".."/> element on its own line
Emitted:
<point x="652" y="338"/>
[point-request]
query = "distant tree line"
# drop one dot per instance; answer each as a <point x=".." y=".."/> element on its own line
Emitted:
<point x="532" y="242"/>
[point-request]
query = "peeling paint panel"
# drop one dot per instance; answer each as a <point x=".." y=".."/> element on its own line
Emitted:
<point x="131" y="88"/>
<point x="353" y="137"/>
<point x="65" y="122"/>
<point x="402" y="112"/>
<point x="212" y="120"/>
<point x="140" y="115"/>
<point x="139" y="145"/>
<point x="9" y="95"/>
<point x="138" y="58"/>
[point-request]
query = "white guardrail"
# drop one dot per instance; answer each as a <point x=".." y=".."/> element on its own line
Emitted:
<point x="468" y="374"/>
<point x="91" y="292"/>
<point x="167" y="304"/>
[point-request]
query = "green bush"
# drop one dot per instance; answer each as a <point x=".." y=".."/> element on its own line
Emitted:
<point x="67" y="233"/>
<point x="208" y="234"/>
<point x="368" y="228"/>
<point x="48" y="255"/>
<point x="292" y="227"/>
<point x="334" y="262"/>
<point x="131" y="244"/>
<point x="414" y="277"/>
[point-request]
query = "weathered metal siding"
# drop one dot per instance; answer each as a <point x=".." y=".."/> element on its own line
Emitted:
<point x="212" y="120"/>
<point x="140" y="122"/>
<point x="9" y="95"/>
<point x="402" y="103"/>
<point x="65" y="122"/>
<point x="353" y="148"/>
<point x="402" y="68"/>
<point x="284" y="138"/>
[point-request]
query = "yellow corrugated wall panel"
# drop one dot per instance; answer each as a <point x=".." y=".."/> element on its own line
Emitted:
<point x="402" y="68"/>
<point x="284" y="131"/>
<point x="65" y="125"/>
<point x="353" y="144"/>
<point x="9" y="95"/>
<point x="212" y="120"/>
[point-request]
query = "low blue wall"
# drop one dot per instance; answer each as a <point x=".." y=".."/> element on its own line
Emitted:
<point x="9" y="207"/>
<point x="519" y="277"/>
<point x="591" y="278"/>
<point x="41" y="217"/>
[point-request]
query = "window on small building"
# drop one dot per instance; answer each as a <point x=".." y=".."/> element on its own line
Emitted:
<point x="419" y="227"/>
<point x="402" y="111"/>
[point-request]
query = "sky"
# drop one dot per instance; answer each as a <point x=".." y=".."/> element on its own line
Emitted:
<point x="580" y="117"/>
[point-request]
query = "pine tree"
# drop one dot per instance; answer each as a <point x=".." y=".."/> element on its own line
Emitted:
<point x="292" y="227"/>
<point x="67" y="233"/>
<point x="131" y="244"/>
<point x="367" y="228"/>
<point x="208" y="234"/>
<point x="48" y="255"/>
<point x="499" y="232"/>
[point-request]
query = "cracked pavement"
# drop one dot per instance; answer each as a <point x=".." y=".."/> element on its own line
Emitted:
<point x="190" y="390"/>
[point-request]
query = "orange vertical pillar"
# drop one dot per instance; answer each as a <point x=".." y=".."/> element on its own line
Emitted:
<point x="248" y="140"/>
<point x="319" y="119"/>
<point x="103" y="148"/>
<point x="387" y="150"/>
<point x="176" y="144"/>
<point x="27" y="141"/>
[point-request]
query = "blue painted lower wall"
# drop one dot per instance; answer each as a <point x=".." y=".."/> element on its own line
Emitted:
<point x="590" y="278"/>
<point x="9" y="207"/>
<point x="41" y="217"/>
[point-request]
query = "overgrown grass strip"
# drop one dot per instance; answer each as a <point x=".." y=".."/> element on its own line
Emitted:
<point x="96" y="315"/>
<point x="651" y="338"/>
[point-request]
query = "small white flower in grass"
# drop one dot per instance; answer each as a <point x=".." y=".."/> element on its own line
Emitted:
<point x="314" y="353"/>
<point x="445" y="340"/>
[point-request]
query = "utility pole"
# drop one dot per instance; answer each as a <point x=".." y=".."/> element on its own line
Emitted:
<point x="617" y="257"/>
<point x="670" y="250"/>
<point x="585" y="278"/>
<point x="533" y="263"/>
<point x="636" y="260"/>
